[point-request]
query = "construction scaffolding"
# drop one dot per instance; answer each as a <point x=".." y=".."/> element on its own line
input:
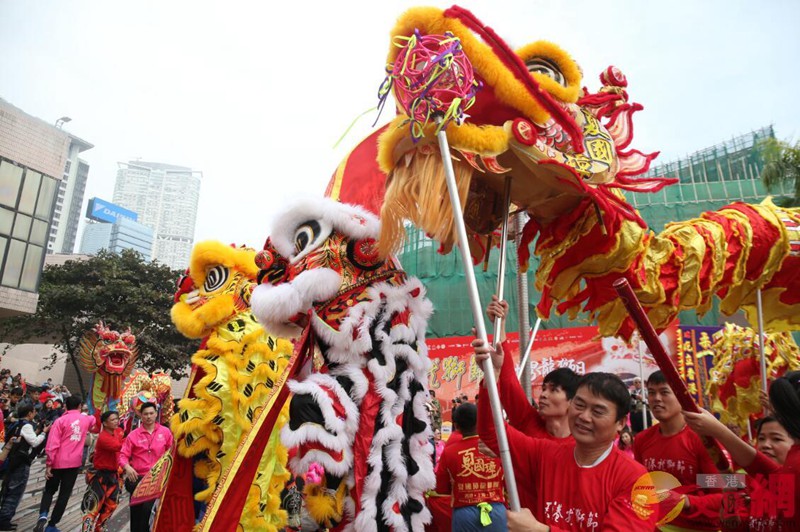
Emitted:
<point x="709" y="179"/>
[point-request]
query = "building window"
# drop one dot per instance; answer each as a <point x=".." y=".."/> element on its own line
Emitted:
<point x="30" y="268"/>
<point x="6" y="222"/>
<point x="13" y="266"/>
<point x="10" y="181"/>
<point x="30" y="190"/>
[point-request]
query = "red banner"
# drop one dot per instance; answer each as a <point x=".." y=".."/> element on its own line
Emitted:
<point x="454" y="372"/>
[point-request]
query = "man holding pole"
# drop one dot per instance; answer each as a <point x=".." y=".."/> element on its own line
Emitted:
<point x="558" y="389"/>
<point x="583" y="484"/>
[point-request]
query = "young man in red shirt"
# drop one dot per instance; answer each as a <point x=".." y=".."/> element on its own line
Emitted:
<point x="474" y="480"/>
<point x="558" y="388"/>
<point x="583" y="484"/>
<point x="672" y="447"/>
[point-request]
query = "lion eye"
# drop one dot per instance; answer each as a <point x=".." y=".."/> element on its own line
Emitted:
<point x="216" y="278"/>
<point x="305" y="235"/>
<point x="309" y="236"/>
<point x="546" y="68"/>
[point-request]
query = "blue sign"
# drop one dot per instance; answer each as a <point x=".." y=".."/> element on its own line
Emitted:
<point x="104" y="211"/>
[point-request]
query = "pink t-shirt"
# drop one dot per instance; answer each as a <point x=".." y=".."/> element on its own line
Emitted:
<point x="65" y="442"/>
<point x="142" y="449"/>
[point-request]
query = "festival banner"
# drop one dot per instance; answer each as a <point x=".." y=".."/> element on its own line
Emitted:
<point x="454" y="372"/>
<point x="695" y="359"/>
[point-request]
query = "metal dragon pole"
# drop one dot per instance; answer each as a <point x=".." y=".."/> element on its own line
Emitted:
<point x="762" y="356"/>
<point x="477" y="314"/>
<point x="527" y="354"/>
<point x="523" y="312"/>
<point x="501" y="269"/>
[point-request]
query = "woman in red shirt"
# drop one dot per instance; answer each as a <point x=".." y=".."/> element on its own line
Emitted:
<point x="777" y="503"/>
<point x="104" y="481"/>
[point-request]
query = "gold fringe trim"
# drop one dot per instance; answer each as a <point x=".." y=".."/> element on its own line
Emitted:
<point x="418" y="193"/>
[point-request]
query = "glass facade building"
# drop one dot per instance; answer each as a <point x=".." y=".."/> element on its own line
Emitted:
<point x="26" y="205"/>
<point x="122" y="234"/>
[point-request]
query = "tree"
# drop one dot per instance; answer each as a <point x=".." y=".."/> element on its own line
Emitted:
<point x="122" y="290"/>
<point x="781" y="167"/>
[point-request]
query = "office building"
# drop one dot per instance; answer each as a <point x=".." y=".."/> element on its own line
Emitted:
<point x="35" y="157"/>
<point x="165" y="197"/>
<point x="114" y="228"/>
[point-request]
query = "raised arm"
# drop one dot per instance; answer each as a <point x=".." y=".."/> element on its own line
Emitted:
<point x="521" y="415"/>
<point x="705" y="424"/>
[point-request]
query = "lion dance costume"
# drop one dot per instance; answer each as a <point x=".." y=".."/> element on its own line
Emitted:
<point x="233" y="372"/>
<point x="109" y="356"/>
<point x="361" y="415"/>
<point x="568" y="154"/>
<point x="142" y="388"/>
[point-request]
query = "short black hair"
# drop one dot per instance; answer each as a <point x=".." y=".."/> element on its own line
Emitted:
<point x="763" y="421"/>
<point x="148" y="405"/>
<point x="23" y="411"/>
<point x="784" y="396"/>
<point x="465" y="417"/>
<point x="73" y="402"/>
<point x="17" y="391"/>
<point x="610" y="387"/>
<point x="107" y="414"/>
<point x="657" y="377"/>
<point x="564" y="378"/>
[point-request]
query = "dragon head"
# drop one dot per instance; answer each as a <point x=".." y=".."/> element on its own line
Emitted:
<point x="107" y="351"/>
<point x="321" y="258"/>
<point x="529" y="119"/>
<point x="215" y="288"/>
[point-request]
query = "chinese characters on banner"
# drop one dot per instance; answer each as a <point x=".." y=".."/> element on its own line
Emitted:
<point x="454" y="372"/>
<point x="694" y="359"/>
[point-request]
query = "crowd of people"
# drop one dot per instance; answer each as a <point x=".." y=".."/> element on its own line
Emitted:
<point x="579" y="465"/>
<point x="585" y="457"/>
<point x="51" y="422"/>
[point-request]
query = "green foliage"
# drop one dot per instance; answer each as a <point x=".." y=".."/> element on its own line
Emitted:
<point x="781" y="167"/>
<point x="120" y="289"/>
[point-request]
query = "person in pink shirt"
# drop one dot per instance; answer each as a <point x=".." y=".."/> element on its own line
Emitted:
<point x="141" y="450"/>
<point x="64" y="451"/>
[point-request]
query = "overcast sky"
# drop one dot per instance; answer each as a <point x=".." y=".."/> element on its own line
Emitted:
<point x="256" y="93"/>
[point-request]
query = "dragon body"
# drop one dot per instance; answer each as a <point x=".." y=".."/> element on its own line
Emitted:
<point x="233" y="373"/>
<point x="361" y="414"/>
<point x="569" y="157"/>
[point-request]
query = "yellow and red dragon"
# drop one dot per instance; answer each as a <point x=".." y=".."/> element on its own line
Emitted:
<point x="567" y="152"/>
<point x="109" y="356"/>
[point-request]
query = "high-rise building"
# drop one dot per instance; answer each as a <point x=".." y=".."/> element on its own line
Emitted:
<point x="67" y="212"/>
<point x="165" y="197"/>
<point x="35" y="157"/>
<point x="114" y="228"/>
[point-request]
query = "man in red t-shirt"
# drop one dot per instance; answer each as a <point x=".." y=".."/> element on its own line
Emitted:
<point x="474" y="480"/>
<point x="584" y="484"/>
<point x="672" y="447"/>
<point x="558" y="388"/>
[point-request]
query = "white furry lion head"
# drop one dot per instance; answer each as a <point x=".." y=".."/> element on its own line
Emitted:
<point x="319" y="249"/>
